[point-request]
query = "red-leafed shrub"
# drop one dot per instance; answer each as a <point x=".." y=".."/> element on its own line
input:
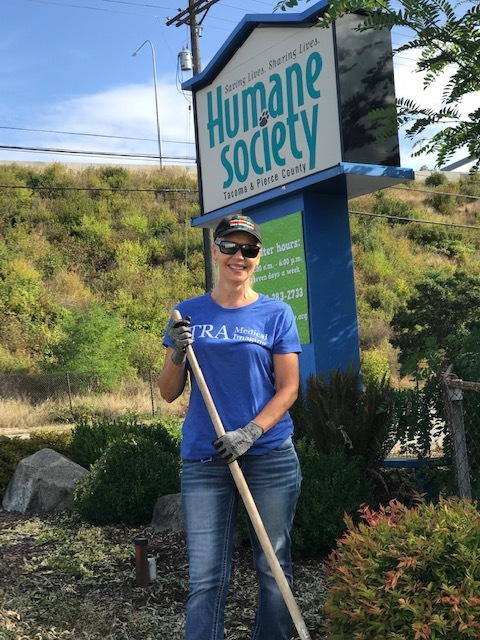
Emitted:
<point x="406" y="574"/>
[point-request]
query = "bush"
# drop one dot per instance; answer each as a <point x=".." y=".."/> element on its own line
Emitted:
<point x="449" y="243"/>
<point x="470" y="184"/>
<point x="339" y="412"/>
<point x="59" y="441"/>
<point x="392" y="208"/>
<point x="375" y="367"/>
<point x="125" y="482"/>
<point x="435" y="179"/>
<point x="332" y="486"/>
<point x="92" y="436"/>
<point x="444" y="203"/>
<point x="12" y="450"/>
<point x="407" y="573"/>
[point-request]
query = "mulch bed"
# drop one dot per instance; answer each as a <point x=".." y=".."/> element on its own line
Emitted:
<point x="46" y="595"/>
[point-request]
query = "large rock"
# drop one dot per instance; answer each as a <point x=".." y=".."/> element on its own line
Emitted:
<point x="167" y="514"/>
<point x="42" y="483"/>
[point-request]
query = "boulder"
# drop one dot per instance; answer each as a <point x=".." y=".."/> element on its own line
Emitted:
<point x="167" y="514"/>
<point x="43" y="483"/>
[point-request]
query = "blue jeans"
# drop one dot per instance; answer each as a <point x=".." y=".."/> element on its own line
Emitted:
<point x="210" y="501"/>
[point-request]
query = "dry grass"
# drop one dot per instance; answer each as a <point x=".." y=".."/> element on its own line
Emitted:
<point x="21" y="416"/>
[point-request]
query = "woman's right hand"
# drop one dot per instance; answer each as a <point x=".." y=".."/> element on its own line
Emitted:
<point x="181" y="336"/>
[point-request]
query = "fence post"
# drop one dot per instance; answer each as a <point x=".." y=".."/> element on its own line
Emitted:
<point x="152" y="396"/>
<point x="453" y="397"/>
<point x="69" y="392"/>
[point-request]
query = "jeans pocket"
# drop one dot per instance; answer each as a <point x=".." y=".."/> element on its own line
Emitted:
<point x="285" y="448"/>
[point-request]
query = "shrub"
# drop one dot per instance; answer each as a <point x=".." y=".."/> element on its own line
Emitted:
<point x="470" y="184"/>
<point x="375" y="367"/>
<point x="59" y="441"/>
<point x="339" y="412"/>
<point x="12" y="450"/>
<point x="449" y="243"/>
<point x="407" y="573"/>
<point x="332" y="486"/>
<point x="393" y="208"/>
<point x="125" y="482"/>
<point x="444" y="203"/>
<point x="435" y="179"/>
<point x="91" y="436"/>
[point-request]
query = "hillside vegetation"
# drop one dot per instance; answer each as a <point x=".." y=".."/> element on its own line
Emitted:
<point x="91" y="264"/>
<point x="93" y="260"/>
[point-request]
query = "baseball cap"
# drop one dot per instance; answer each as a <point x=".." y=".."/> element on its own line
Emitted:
<point x="230" y="224"/>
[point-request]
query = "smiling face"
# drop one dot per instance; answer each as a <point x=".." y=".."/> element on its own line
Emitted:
<point x="236" y="268"/>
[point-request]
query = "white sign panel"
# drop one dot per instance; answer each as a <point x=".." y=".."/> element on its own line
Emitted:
<point x="270" y="116"/>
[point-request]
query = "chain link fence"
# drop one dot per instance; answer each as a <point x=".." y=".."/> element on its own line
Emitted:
<point x="462" y="410"/>
<point x="37" y="400"/>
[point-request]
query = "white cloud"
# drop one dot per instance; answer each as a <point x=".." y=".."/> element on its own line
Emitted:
<point x="127" y="110"/>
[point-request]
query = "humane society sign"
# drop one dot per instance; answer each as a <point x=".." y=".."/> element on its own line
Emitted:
<point x="270" y="116"/>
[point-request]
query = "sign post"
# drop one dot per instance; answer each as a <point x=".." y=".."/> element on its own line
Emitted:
<point x="283" y="136"/>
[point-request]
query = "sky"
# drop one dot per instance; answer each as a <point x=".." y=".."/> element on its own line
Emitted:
<point x="69" y="82"/>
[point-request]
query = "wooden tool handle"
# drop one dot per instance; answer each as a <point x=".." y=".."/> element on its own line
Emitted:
<point x="247" y="498"/>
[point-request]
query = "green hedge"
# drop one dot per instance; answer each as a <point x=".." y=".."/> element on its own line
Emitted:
<point x="333" y="484"/>
<point x="125" y="482"/>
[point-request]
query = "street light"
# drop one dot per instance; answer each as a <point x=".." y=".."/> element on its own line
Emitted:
<point x="156" y="96"/>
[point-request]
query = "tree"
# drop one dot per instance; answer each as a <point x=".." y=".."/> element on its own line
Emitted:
<point x="447" y="34"/>
<point x="441" y="317"/>
<point x="94" y="341"/>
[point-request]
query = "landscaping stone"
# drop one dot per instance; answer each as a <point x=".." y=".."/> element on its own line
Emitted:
<point x="167" y="514"/>
<point x="43" y="483"/>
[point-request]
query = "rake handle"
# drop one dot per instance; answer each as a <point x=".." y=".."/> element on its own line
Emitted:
<point x="247" y="498"/>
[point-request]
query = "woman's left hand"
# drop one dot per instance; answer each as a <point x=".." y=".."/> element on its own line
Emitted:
<point x="235" y="443"/>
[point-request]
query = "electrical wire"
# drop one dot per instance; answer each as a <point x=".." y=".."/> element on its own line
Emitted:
<point x="78" y="6"/>
<point x="443" y="193"/>
<point x="109" y="154"/>
<point x="91" y="135"/>
<point x="136" y="190"/>
<point x="459" y="195"/>
<point x="403" y="219"/>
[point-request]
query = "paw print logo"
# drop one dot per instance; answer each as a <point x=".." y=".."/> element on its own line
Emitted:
<point x="264" y="118"/>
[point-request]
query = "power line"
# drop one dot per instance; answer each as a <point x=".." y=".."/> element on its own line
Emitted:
<point x="403" y="219"/>
<point x="109" y="154"/>
<point x="78" y="6"/>
<point x="136" y="190"/>
<point x="459" y="195"/>
<point x="93" y="135"/>
<point x="443" y="193"/>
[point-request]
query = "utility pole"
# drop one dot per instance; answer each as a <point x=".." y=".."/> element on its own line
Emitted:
<point x="190" y="16"/>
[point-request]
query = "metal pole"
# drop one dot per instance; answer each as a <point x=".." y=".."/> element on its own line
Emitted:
<point x="197" y="67"/>
<point x="152" y="397"/>
<point x="156" y="96"/>
<point x="69" y="392"/>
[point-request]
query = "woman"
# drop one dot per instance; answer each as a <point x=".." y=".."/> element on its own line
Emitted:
<point x="247" y="346"/>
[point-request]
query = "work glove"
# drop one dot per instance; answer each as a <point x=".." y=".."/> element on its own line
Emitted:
<point x="235" y="443"/>
<point x="181" y="336"/>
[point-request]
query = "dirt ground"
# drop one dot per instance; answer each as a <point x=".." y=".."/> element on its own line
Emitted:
<point x="61" y="579"/>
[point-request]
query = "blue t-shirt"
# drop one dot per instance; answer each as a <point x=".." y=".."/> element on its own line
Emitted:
<point x="234" y="349"/>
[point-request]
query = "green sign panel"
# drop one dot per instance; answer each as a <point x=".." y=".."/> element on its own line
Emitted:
<point x="282" y="271"/>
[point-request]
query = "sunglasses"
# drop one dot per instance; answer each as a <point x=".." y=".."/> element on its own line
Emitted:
<point x="231" y="248"/>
